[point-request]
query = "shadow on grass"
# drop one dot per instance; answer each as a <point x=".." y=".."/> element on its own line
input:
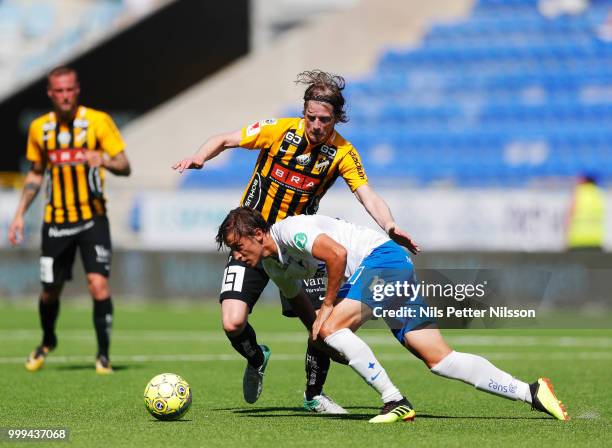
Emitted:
<point x="300" y="413"/>
<point x="91" y="366"/>
<point x="483" y="417"/>
<point x="181" y="420"/>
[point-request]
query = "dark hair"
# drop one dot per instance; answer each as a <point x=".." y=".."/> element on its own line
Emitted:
<point x="324" y="87"/>
<point x="242" y="221"/>
<point x="62" y="70"/>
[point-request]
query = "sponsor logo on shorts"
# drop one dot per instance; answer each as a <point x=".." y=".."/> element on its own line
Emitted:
<point x="55" y="232"/>
<point x="102" y="253"/>
<point x="300" y="240"/>
<point x="46" y="269"/>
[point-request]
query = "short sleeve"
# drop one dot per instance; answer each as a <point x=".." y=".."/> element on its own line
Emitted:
<point x="264" y="133"/>
<point x="108" y="135"/>
<point x="352" y="171"/>
<point x="299" y="232"/>
<point x="34" y="150"/>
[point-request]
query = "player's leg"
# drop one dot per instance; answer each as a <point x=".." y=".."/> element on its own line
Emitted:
<point x="102" y="319"/>
<point x="240" y="291"/>
<point x="317" y="359"/>
<point x="57" y="258"/>
<point x="338" y="331"/>
<point x="96" y="253"/>
<point x="428" y="344"/>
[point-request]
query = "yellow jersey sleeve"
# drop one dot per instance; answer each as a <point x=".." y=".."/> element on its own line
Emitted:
<point x="264" y="133"/>
<point x="351" y="169"/>
<point x="34" y="149"/>
<point x="108" y="135"/>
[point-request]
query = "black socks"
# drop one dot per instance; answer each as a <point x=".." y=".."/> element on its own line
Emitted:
<point x="103" y="321"/>
<point x="48" y="315"/>
<point x="317" y="366"/>
<point x="246" y="344"/>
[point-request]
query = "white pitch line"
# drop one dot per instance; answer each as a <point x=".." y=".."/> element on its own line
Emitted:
<point x="295" y="336"/>
<point x="548" y="356"/>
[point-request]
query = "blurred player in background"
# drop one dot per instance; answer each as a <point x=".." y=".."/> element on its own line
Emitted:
<point x="586" y="219"/>
<point x="289" y="252"/>
<point x="299" y="160"/>
<point x="71" y="147"/>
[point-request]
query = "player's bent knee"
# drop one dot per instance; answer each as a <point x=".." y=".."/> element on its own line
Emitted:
<point x="50" y="294"/>
<point x="233" y="326"/>
<point x="327" y="330"/>
<point x="98" y="287"/>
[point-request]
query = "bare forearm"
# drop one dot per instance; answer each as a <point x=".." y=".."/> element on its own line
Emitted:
<point x="213" y="147"/>
<point x="31" y="188"/>
<point x="376" y="207"/>
<point x="117" y="167"/>
<point x="335" y="275"/>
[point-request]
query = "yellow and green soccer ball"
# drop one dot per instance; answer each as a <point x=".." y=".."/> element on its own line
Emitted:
<point x="167" y="396"/>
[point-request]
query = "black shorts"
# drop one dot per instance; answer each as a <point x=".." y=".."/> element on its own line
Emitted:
<point x="59" y="245"/>
<point x="241" y="282"/>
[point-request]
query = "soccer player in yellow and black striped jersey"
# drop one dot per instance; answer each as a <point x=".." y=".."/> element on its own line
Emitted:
<point x="299" y="160"/>
<point x="71" y="147"/>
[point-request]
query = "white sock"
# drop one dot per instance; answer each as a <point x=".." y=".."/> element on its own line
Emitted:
<point x="483" y="375"/>
<point x="362" y="360"/>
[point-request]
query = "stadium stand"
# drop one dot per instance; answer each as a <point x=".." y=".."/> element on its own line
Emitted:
<point x="507" y="97"/>
<point x="38" y="34"/>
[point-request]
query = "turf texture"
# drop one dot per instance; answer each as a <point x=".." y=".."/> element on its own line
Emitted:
<point x="186" y="339"/>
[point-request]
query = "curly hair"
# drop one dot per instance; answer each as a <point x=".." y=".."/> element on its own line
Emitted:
<point x="324" y="87"/>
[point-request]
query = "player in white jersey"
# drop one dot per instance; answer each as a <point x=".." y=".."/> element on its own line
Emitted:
<point x="290" y="251"/>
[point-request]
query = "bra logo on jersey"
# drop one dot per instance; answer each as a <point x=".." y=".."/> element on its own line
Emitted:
<point x="68" y="156"/>
<point x="303" y="160"/>
<point x="293" y="179"/>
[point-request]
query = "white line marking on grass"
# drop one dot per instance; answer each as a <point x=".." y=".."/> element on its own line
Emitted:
<point x="548" y="356"/>
<point x="588" y="415"/>
<point x="297" y="336"/>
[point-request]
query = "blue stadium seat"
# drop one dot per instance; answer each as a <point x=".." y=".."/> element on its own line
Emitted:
<point x="506" y="97"/>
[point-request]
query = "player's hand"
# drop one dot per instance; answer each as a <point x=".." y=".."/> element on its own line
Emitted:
<point x="15" y="234"/>
<point x="403" y="239"/>
<point x="322" y="316"/>
<point x="94" y="158"/>
<point x="189" y="163"/>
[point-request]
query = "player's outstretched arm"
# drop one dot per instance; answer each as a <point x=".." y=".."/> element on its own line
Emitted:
<point x="209" y="150"/>
<point x="334" y="255"/>
<point x="33" y="181"/>
<point x="379" y="210"/>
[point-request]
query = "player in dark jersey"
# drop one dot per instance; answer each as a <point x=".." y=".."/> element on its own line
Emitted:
<point x="299" y="159"/>
<point x="72" y="147"/>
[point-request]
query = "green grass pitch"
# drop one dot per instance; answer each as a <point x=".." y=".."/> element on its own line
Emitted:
<point x="186" y="339"/>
